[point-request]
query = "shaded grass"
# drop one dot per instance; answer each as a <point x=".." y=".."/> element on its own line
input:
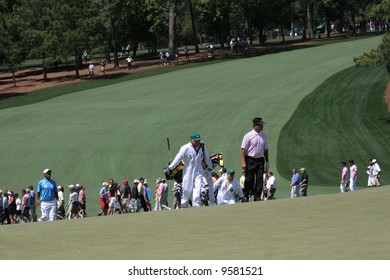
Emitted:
<point x="344" y="118"/>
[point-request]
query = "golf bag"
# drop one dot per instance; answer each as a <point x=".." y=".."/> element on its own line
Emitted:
<point x="177" y="173"/>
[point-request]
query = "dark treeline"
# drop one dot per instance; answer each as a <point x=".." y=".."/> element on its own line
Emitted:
<point x="59" y="31"/>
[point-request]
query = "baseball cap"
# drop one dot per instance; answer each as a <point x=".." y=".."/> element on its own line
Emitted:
<point x="125" y="182"/>
<point x="46" y="170"/>
<point x="105" y="184"/>
<point x="373" y="161"/>
<point x="136" y="181"/>
<point x="195" y="136"/>
<point x="302" y="169"/>
<point x="59" y="187"/>
<point x="258" y="121"/>
<point x="230" y="171"/>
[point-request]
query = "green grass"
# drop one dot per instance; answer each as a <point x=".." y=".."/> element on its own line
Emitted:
<point x="349" y="226"/>
<point x="119" y="130"/>
<point x="88" y="134"/>
<point x="344" y="118"/>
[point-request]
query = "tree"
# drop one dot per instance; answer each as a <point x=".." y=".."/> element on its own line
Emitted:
<point x="378" y="56"/>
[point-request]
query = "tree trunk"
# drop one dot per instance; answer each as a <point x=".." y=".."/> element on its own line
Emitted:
<point x="76" y="55"/>
<point x="172" y="32"/>
<point x="309" y="30"/>
<point x="195" y="38"/>
<point x="114" y="43"/>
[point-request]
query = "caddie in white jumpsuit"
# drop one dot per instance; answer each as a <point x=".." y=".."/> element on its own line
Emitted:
<point x="228" y="189"/>
<point x="192" y="153"/>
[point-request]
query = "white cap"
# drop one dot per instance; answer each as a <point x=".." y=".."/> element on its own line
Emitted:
<point x="373" y="161"/>
<point x="136" y="181"/>
<point x="46" y="170"/>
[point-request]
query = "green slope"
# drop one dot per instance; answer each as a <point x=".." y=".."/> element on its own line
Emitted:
<point x="345" y="118"/>
<point x="119" y="131"/>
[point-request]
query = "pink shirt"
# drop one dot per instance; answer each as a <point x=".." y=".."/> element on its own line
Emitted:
<point x="344" y="174"/>
<point x="254" y="144"/>
<point x="353" y="172"/>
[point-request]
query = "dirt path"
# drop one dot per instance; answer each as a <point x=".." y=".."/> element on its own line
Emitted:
<point x="31" y="79"/>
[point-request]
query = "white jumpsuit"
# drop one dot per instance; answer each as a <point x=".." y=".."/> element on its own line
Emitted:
<point x="192" y="172"/>
<point x="227" y="190"/>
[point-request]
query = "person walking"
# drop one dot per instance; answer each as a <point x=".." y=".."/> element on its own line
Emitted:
<point x="352" y="175"/>
<point x="304" y="184"/>
<point x="254" y="159"/>
<point x="194" y="154"/>
<point x="47" y="196"/>
<point x="103" y="197"/>
<point x="344" y="177"/>
<point x="295" y="187"/>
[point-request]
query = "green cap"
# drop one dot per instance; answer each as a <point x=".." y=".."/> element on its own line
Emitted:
<point x="230" y="171"/>
<point x="195" y="136"/>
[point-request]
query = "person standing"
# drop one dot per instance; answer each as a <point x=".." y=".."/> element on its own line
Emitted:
<point x="187" y="54"/>
<point x="91" y="69"/>
<point x="377" y="173"/>
<point x="295" y="184"/>
<point x="60" y="203"/>
<point x="194" y="154"/>
<point x="129" y="62"/>
<point x="254" y="159"/>
<point x="271" y="185"/>
<point x="103" y="65"/>
<point x="33" y="210"/>
<point x="25" y="206"/>
<point x="304" y="182"/>
<point x="47" y="196"/>
<point x="229" y="190"/>
<point x="344" y="177"/>
<point x="82" y="202"/>
<point x="352" y="175"/>
<point x="126" y="196"/>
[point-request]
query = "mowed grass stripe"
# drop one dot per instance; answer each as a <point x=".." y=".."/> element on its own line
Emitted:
<point x="349" y="226"/>
<point x="120" y="130"/>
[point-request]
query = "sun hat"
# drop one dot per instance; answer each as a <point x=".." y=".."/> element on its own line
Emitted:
<point x="258" y="121"/>
<point x="195" y="136"/>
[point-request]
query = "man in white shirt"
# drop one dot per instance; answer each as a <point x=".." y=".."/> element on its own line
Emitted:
<point x="271" y="185"/>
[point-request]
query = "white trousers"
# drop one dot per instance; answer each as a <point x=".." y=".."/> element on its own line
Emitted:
<point x="343" y="186"/>
<point x="352" y="184"/>
<point x="192" y="187"/>
<point x="48" y="210"/>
